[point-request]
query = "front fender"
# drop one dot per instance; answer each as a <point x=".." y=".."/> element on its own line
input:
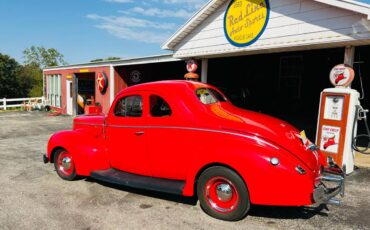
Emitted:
<point x="88" y="151"/>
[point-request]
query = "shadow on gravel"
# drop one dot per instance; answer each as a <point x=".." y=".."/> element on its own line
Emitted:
<point x="256" y="211"/>
<point x="169" y="197"/>
<point x="288" y="212"/>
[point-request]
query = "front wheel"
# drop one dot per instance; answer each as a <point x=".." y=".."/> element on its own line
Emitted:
<point x="64" y="165"/>
<point x="223" y="194"/>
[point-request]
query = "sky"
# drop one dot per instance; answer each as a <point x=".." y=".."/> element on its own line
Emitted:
<point x="83" y="30"/>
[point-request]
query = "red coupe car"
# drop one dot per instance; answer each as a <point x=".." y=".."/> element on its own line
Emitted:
<point x="186" y="138"/>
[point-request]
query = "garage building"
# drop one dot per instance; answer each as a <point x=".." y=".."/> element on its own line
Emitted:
<point x="270" y="56"/>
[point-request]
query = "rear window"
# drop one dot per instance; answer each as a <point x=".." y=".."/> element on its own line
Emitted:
<point x="159" y="107"/>
<point x="209" y="96"/>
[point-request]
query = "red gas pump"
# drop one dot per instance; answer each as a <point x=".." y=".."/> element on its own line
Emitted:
<point x="93" y="108"/>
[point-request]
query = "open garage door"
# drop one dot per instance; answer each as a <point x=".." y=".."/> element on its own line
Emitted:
<point x="284" y="85"/>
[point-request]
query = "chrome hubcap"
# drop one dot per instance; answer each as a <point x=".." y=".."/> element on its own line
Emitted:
<point x="66" y="163"/>
<point x="221" y="194"/>
<point x="224" y="192"/>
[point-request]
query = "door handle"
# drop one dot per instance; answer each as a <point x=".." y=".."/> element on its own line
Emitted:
<point x="139" y="133"/>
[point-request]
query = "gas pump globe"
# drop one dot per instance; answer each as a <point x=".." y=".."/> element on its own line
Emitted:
<point x="192" y="67"/>
<point x="337" y="123"/>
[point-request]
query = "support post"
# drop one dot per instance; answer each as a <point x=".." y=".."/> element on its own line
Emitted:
<point x="204" y="77"/>
<point x="111" y="84"/>
<point x="4" y="103"/>
<point x="349" y="55"/>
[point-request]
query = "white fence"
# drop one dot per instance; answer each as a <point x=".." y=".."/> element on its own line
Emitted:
<point x="26" y="103"/>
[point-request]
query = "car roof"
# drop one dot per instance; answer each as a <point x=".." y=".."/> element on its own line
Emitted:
<point x="165" y="86"/>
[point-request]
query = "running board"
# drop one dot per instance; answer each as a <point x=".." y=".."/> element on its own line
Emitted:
<point x="141" y="182"/>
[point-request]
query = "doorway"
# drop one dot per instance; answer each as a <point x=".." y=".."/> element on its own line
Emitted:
<point x="85" y="90"/>
<point x="69" y="94"/>
<point x="285" y="85"/>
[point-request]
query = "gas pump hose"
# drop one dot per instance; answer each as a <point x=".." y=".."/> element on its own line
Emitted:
<point x="355" y="139"/>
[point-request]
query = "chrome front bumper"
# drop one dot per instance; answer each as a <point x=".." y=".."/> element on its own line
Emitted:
<point x="332" y="183"/>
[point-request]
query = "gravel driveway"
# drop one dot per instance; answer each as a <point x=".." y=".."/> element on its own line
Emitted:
<point x="32" y="196"/>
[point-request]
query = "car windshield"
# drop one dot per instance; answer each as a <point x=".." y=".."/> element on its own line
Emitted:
<point x="209" y="96"/>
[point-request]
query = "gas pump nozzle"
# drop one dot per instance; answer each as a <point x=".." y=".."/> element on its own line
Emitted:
<point x="362" y="113"/>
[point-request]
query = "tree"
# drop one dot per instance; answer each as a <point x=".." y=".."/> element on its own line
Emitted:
<point x="97" y="60"/>
<point x="31" y="79"/>
<point x="42" y="57"/>
<point x="35" y="59"/>
<point x="12" y="84"/>
<point x="113" y="58"/>
<point x="106" y="59"/>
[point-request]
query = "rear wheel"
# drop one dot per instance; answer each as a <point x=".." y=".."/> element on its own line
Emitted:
<point x="64" y="165"/>
<point x="223" y="194"/>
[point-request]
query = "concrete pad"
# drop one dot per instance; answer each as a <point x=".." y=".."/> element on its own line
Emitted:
<point x="362" y="160"/>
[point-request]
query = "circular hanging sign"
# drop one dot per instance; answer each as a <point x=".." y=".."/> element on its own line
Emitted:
<point x="245" y="21"/>
<point x="342" y="75"/>
<point x="102" y="82"/>
<point x="135" y="76"/>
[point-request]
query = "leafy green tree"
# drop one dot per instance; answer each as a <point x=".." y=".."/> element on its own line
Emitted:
<point x="42" y="57"/>
<point x="113" y="58"/>
<point x="35" y="59"/>
<point x="12" y="84"/>
<point x="31" y="78"/>
<point x="97" y="60"/>
<point x="106" y="59"/>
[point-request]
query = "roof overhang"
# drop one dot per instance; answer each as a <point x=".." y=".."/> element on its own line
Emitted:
<point x="213" y="5"/>
<point x="121" y="62"/>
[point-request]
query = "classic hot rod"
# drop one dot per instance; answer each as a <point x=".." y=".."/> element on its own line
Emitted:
<point x="186" y="138"/>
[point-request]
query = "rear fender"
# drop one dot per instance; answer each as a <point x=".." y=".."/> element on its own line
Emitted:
<point x="267" y="184"/>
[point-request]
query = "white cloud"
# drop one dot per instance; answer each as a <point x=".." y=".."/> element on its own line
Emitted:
<point x="196" y="4"/>
<point x="162" y="13"/>
<point x="131" y="28"/>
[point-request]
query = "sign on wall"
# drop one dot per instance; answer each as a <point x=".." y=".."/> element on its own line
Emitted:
<point x="102" y="82"/>
<point x="245" y="21"/>
<point x="136" y="76"/>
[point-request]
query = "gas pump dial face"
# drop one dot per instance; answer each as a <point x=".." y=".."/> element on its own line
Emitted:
<point x="334" y="108"/>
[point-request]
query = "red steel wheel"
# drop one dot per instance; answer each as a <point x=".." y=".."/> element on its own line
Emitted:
<point x="64" y="165"/>
<point x="223" y="194"/>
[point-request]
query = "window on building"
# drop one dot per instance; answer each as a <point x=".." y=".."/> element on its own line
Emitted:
<point x="290" y="80"/>
<point x="54" y="90"/>
<point x="159" y="107"/>
<point x="131" y="106"/>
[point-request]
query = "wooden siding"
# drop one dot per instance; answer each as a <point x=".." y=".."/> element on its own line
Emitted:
<point x="293" y="23"/>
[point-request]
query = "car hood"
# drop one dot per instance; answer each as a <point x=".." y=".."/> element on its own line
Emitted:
<point x="269" y="128"/>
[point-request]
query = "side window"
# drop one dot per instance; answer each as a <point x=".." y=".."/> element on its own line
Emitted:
<point x="131" y="106"/>
<point x="159" y="107"/>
